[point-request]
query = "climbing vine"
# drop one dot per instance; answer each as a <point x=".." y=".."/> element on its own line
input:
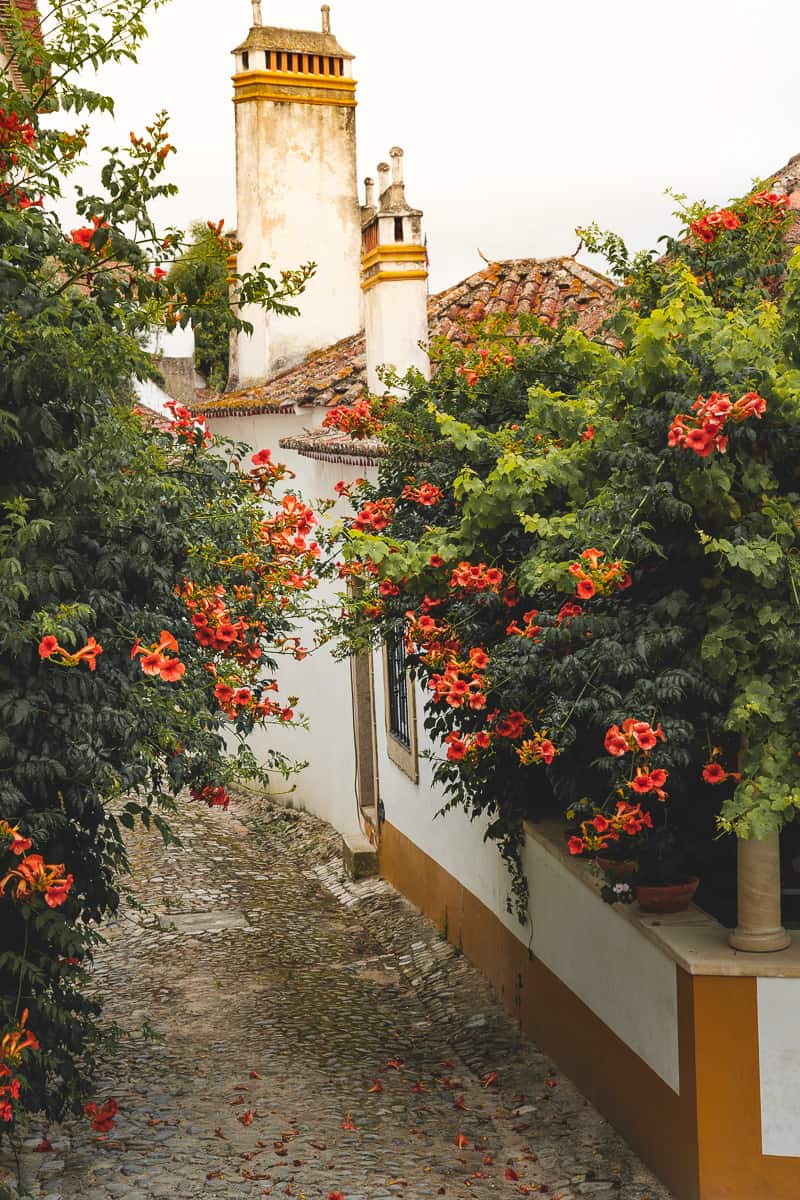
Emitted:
<point x="149" y="581"/>
<point x="574" y="533"/>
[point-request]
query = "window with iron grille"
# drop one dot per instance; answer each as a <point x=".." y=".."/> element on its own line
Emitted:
<point x="397" y="688"/>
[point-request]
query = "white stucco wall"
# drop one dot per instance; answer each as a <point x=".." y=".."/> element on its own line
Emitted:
<point x="153" y="396"/>
<point x="297" y="201"/>
<point x="779" y="1065"/>
<point x="631" y="986"/>
<point x="172" y="343"/>
<point x="327" y="786"/>
<point x="396" y="321"/>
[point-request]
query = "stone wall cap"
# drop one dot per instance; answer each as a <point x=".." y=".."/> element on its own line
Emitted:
<point x="298" y="41"/>
<point x="694" y="940"/>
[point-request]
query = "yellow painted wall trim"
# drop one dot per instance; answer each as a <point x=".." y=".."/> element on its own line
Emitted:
<point x="341" y="83"/>
<point x="393" y="276"/>
<point x="660" y="1124"/>
<point x="289" y="98"/>
<point x="401" y="252"/>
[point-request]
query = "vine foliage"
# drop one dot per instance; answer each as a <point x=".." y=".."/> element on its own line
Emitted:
<point x="577" y="532"/>
<point x="148" y="586"/>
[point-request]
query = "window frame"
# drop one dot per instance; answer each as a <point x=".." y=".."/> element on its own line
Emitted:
<point x="406" y="757"/>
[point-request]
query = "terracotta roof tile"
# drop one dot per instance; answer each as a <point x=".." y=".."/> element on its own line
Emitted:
<point x="548" y="288"/>
<point x="337" y="374"/>
<point x="151" y="417"/>
<point x="30" y="14"/>
<point x="788" y="180"/>
<point x="326" y="377"/>
<point x="330" y="445"/>
<point x="31" y="22"/>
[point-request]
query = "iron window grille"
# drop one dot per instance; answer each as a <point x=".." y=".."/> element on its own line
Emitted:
<point x="397" y="687"/>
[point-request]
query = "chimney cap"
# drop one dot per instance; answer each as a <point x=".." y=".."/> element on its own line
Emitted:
<point x="396" y="155"/>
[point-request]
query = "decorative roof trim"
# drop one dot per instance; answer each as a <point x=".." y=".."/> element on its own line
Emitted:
<point x="332" y="456"/>
<point x="288" y="97"/>
<point x="302" y="41"/>
<point x="296" y="79"/>
<point x="296" y="89"/>
<point x="401" y="252"/>
<point x="263" y="410"/>
<point x="390" y="277"/>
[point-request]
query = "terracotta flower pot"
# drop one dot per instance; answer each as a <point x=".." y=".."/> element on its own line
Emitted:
<point x="669" y="898"/>
<point x="616" y="868"/>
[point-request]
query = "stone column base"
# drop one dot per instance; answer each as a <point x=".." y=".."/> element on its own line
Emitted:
<point x="759" y="876"/>
<point x="760" y="941"/>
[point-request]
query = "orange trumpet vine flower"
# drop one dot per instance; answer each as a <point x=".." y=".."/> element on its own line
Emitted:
<point x="13" y="1044"/>
<point x="34" y="876"/>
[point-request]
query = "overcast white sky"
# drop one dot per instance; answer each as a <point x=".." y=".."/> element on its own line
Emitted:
<point x="520" y="119"/>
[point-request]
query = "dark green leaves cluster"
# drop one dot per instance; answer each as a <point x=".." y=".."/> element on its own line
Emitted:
<point x="103" y="515"/>
<point x="568" y="450"/>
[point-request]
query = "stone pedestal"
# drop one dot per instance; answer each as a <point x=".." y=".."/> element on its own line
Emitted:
<point x="759" y="881"/>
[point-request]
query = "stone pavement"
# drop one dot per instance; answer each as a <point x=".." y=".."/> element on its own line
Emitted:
<point x="312" y="1035"/>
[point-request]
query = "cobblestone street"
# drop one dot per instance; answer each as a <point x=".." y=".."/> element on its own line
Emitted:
<point x="311" y="1035"/>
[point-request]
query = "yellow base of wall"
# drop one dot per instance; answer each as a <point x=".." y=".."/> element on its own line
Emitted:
<point x="706" y="1143"/>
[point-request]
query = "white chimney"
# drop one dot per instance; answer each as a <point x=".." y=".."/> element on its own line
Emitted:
<point x="394" y="279"/>
<point x="384" y="171"/>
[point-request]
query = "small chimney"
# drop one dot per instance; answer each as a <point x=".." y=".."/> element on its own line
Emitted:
<point x="396" y="155"/>
<point x="369" y="188"/>
<point x="394" y="279"/>
<point x="326" y="18"/>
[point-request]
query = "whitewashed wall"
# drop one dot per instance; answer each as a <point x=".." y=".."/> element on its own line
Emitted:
<point x="297" y="200"/>
<point x="631" y="987"/>
<point x="327" y="785"/>
<point x="779" y="1065"/>
<point x="396" y="316"/>
<point x="172" y="343"/>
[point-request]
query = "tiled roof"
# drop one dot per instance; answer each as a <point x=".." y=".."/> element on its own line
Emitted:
<point x="788" y="180"/>
<point x="331" y="445"/>
<point x="547" y="288"/>
<point x="30" y="14"/>
<point x="151" y="417"/>
<point x="335" y="375"/>
<point x="31" y="21"/>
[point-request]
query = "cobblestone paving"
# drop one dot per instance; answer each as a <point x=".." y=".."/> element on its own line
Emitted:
<point x="279" y="992"/>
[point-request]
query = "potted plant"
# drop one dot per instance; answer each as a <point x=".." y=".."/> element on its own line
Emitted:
<point x="633" y="843"/>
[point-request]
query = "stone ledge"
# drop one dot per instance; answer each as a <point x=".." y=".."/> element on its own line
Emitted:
<point x="359" y="857"/>
<point x="693" y="939"/>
